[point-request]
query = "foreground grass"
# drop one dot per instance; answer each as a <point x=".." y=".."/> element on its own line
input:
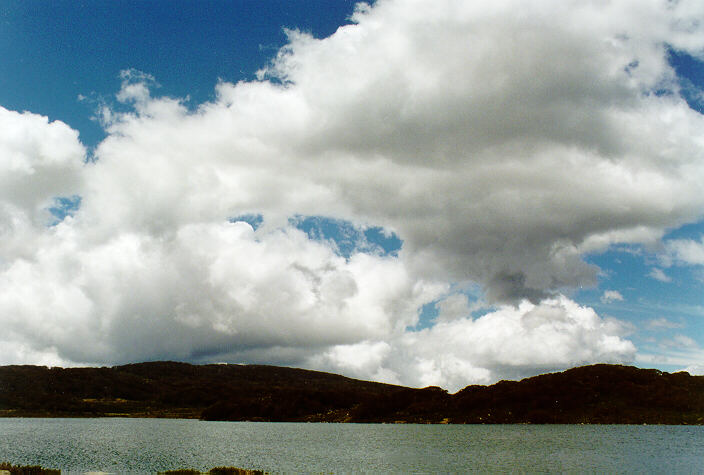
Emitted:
<point x="215" y="471"/>
<point x="6" y="468"/>
<point x="26" y="469"/>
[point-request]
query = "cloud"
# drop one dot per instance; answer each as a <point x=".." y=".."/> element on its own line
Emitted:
<point x="686" y="251"/>
<point x="498" y="144"/>
<point x="658" y="274"/>
<point x="671" y="356"/>
<point x="39" y="161"/>
<point x="679" y="341"/>
<point x="695" y="370"/>
<point x="610" y="296"/>
<point x="456" y="127"/>
<point x="507" y="343"/>
<point x="454" y="307"/>
<point x="209" y="291"/>
<point x="678" y="350"/>
<point x="18" y="353"/>
<point x="662" y="323"/>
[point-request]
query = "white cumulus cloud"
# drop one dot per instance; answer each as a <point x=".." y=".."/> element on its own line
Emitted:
<point x="511" y="342"/>
<point x="686" y="251"/>
<point x="39" y="161"/>
<point x="658" y="274"/>
<point x="499" y="143"/>
<point x="610" y="296"/>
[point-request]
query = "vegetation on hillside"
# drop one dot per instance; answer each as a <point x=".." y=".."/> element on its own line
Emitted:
<point x="590" y="394"/>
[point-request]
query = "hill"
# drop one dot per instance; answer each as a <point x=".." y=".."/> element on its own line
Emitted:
<point x="590" y="394"/>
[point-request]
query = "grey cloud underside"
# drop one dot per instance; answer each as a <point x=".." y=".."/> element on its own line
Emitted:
<point x="500" y="144"/>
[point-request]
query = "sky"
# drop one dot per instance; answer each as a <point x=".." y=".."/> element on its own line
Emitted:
<point x="416" y="192"/>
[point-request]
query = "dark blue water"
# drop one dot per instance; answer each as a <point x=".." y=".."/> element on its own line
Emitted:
<point x="151" y="445"/>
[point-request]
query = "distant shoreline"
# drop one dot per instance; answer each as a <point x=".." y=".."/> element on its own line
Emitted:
<point x="595" y="424"/>
<point x="597" y="394"/>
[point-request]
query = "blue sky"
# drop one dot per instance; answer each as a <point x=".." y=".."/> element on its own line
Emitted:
<point x="432" y="194"/>
<point x="81" y="47"/>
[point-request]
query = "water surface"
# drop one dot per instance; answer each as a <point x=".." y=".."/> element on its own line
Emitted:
<point x="150" y="445"/>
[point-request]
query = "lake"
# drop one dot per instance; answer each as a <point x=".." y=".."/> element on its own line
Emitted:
<point x="150" y="445"/>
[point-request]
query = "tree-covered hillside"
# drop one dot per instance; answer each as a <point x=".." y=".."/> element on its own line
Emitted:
<point x="590" y="394"/>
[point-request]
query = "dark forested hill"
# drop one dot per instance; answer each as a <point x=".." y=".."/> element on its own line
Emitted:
<point x="598" y="394"/>
<point x="169" y="389"/>
<point x="590" y="394"/>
